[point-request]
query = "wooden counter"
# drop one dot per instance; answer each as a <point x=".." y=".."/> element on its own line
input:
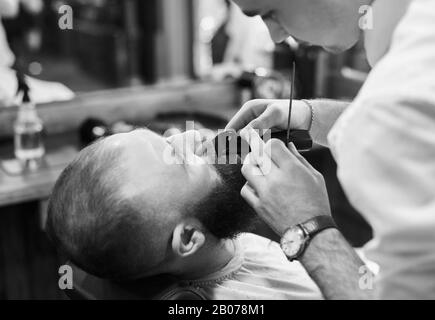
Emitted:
<point x="19" y="188"/>
<point x="62" y="119"/>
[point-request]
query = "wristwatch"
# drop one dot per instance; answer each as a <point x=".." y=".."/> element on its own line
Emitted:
<point x="296" y="239"/>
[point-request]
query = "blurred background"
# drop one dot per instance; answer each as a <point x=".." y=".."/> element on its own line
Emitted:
<point x="128" y="63"/>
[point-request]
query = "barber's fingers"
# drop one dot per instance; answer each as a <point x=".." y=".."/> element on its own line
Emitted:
<point x="258" y="152"/>
<point x="272" y="153"/>
<point x="283" y="156"/>
<point x="298" y="156"/>
<point x="272" y="117"/>
<point x="278" y="152"/>
<point x="266" y="155"/>
<point x="253" y="172"/>
<point x="249" y="194"/>
<point x="248" y="112"/>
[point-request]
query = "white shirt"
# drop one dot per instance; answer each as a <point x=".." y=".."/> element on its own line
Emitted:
<point x="8" y="8"/>
<point x="258" y="271"/>
<point x="384" y="145"/>
<point x="7" y="58"/>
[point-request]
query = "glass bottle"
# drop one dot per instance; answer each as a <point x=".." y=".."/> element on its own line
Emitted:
<point x="28" y="132"/>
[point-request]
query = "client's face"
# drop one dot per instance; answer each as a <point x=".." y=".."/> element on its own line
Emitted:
<point x="156" y="167"/>
<point x="167" y="174"/>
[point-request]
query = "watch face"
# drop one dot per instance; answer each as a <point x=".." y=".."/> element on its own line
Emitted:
<point x="293" y="242"/>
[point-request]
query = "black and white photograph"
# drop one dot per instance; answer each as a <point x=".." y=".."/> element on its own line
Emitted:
<point x="241" y="152"/>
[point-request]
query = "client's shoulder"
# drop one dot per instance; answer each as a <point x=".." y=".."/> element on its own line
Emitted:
<point x="259" y="251"/>
<point x="251" y="241"/>
<point x="264" y="259"/>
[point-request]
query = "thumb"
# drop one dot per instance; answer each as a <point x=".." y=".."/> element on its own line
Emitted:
<point x="301" y="159"/>
<point x="272" y="117"/>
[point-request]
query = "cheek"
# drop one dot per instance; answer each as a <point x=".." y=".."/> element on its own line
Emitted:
<point x="202" y="180"/>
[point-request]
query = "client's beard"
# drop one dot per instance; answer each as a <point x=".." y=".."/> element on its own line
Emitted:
<point x="224" y="212"/>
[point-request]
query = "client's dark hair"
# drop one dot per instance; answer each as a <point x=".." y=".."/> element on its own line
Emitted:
<point x="88" y="222"/>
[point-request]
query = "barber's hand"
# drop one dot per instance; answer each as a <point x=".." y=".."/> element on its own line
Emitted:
<point x="271" y="114"/>
<point x="283" y="188"/>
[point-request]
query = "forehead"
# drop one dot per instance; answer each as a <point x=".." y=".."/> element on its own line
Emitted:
<point x="140" y="149"/>
<point x="143" y="137"/>
<point x="141" y="144"/>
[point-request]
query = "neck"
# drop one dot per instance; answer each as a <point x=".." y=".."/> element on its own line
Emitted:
<point x="211" y="258"/>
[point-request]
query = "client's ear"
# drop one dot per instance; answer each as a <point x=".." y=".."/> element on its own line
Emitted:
<point x="187" y="239"/>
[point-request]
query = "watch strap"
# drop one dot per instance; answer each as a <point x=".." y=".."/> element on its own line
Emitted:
<point x="317" y="224"/>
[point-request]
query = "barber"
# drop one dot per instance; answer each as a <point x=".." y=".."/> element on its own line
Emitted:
<point x="383" y="142"/>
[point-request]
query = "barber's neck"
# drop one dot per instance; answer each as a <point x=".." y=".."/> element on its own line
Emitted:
<point x="212" y="257"/>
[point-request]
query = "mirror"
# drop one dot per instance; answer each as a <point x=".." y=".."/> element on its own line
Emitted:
<point x="226" y="42"/>
<point x="68" y="47"/>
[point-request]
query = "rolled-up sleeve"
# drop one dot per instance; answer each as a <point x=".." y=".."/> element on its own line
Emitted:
<point x="385" y="149"/>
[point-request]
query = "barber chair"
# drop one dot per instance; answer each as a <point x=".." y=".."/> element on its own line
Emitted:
<point x="89" y="287"/>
